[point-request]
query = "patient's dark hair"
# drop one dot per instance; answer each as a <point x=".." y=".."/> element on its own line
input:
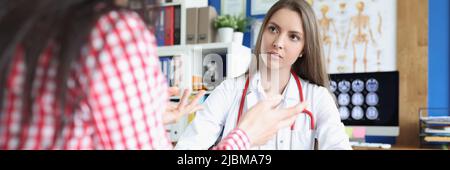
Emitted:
<point x="32" y="25"/>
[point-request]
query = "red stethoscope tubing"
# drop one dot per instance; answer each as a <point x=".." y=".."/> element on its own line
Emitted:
<point x="299" y="86"/>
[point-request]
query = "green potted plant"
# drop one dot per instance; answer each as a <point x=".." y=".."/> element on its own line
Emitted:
<point x="225" y="25"/>
<point x="242" y="24"/>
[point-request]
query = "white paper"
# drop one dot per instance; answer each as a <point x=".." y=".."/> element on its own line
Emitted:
<point x="233" y="7"/>
<point x="260" y="7"/>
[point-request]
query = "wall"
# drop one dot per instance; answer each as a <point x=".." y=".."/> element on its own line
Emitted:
<point x="247" y="38"/>
<point x="438" y="75"/>
<point x="412" y="63"/>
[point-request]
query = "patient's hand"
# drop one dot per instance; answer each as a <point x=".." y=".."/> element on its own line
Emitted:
<point x="175" y="111"/>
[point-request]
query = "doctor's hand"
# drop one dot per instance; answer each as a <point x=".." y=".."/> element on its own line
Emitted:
<point x="263" y="120"/>
<point x="175" y="111"/>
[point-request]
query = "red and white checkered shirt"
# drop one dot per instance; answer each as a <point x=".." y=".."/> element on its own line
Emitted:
<point x="124" y="95"/>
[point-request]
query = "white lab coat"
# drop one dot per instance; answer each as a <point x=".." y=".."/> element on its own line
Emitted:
<point x="221" y="110"/>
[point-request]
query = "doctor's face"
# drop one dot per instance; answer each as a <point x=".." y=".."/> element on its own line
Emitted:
<point x="282" y="40"/>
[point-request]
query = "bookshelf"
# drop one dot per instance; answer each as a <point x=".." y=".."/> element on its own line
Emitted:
<point x="188" y="70"/>
<point x="183" y="6"/>
<point x="237" y="58"/>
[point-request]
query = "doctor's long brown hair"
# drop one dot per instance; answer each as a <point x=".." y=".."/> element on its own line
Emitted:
<point x="310" y="66"/>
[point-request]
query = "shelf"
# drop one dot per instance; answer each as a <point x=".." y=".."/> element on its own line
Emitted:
<point x="208" y="46"/>
<point x="188" y="4"/>
<point x="216" y="45"/>
<point x="169" y="4"/>
<point x="171" y="50"/>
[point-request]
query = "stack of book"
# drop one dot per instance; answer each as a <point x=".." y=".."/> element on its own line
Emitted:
<point x="435" y="130"/>
<point x="172" y="67"/>
<point x="168" y="27"/>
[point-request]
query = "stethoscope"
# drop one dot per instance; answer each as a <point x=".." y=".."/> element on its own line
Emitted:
<point x="299" y="86"/>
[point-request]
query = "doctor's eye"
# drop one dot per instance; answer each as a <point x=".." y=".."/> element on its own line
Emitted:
<point x="272" y="29"/>
<point x="294" y="37"/>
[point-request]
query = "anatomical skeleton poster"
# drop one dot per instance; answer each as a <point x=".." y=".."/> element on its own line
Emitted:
<point x="357" y="35"/>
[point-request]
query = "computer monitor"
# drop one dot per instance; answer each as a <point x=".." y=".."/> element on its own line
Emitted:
<point x="368" y="100"/>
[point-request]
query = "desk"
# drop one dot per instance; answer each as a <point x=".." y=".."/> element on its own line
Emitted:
<point x="394" y="147"/>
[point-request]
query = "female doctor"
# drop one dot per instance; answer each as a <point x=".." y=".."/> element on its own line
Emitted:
<point x="288" y="62"/>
